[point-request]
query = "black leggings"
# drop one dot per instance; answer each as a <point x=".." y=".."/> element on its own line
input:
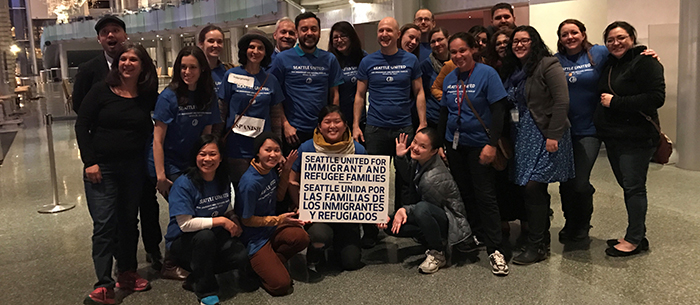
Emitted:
<point x="537" y="202"/>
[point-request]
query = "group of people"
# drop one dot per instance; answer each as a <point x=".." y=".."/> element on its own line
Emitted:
<point x="222" y="144"/>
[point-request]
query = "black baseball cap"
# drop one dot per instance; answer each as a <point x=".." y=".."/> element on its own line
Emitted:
<point x="107" y="19"/>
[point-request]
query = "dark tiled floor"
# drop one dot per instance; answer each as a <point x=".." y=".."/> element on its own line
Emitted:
<point x="45" y="259"/>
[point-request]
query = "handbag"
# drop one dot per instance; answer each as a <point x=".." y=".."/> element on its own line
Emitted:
<point x="504" y="147"/>
<point x="665" y="146"/>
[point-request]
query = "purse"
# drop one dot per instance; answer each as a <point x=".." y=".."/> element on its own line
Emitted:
<point x="504" y="147"/>
<point x="665" y="146"/>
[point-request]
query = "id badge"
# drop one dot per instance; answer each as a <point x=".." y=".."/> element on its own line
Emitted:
<point x="514" y="115"/>
<point x="455" y="140"/>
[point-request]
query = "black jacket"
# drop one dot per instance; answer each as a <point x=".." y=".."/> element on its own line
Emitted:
<point x="89" y="73"/>
<point x="638" y="85"/>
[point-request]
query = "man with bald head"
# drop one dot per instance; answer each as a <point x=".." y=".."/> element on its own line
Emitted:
<point x="425" y="20"/>
<point x="285" y="35"/>
<point x="391" y="75"/>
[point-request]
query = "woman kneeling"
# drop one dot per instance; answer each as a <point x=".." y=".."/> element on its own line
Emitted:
<point x="438" y="212"/>
<point x="271" y="240"/>
<point x="203" y="230"/>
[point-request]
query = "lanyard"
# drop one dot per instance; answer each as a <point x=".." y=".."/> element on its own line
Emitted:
<point x="460" y="100"/>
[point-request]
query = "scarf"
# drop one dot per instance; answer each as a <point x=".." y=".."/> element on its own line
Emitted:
<point x="436" y="63"/>
<point x="344" y="146"/>
<point x="259" y="167"/>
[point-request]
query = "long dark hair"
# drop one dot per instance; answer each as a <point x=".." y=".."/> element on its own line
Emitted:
<point x="586" y="44"/>
<point x="221" y="174"/>
<point x="403" y="30"/>
<point x="538" y="50"/>
<point x="148" y="79"/>
<point x="356" y="54"/>
<point x="491" y="57"/>
<point x="205" y="83"/>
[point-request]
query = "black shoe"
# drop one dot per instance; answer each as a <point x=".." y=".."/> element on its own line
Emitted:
<point x="644" y="244"/>
<point x="532" y="254"/>
<point x="612" y="251"/>
<point x="577" y="236"/>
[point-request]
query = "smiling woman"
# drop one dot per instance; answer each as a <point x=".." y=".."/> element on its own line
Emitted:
<point x="113" y="153"/>
<point x="252" y="95"/>
<point x="536" y="85"/>
<point x="332" y="136"/>
<point x="409" y="39"/>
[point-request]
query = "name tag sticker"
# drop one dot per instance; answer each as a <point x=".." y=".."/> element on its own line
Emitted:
<point x="249" y="126"/>
<point x="241" y="80"/>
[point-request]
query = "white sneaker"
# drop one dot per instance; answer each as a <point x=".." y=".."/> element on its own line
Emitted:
<point x="434" y="261"/>
<point x="499" y="266"/>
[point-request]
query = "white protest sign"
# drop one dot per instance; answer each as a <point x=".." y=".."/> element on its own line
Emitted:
<point x="344" y="188"/>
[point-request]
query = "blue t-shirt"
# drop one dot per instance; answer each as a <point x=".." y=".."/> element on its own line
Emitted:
<point x="484" y="88"/>
<point x="390" y="83"/>
<point x="185" y="126"/>
<point x="237" y="97"/>
<point x="217" y="74"/>
<point x="347" y="90"/>
<point x="583" y="78"/>
<point x="257" y="196"/>
<point x="308" y="147"/>
<point x="432" y="105"/>
<point x="306" y="80"/>
<point x="425" y="50"/>
<point x="186" y="199"/>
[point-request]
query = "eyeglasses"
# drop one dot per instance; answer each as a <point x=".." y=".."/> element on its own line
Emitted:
<point x="618" y="39"/>
<point x="421" y="19"/>
<point x="340" y="37"/>
<point x="524" y="41"/>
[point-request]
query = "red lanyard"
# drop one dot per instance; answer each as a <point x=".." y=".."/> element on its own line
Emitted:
<point x="464" y="95"/>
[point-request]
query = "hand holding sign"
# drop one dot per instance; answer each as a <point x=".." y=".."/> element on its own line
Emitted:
<point x="401" y="148"/>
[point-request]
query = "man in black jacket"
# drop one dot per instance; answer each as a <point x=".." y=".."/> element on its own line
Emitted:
<point x="111" y="32"/>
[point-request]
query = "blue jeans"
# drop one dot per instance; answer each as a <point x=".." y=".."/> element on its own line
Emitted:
<point x="630" y="165"/>
<point x="114" y="205"/>
<point x="577" y="193"/>
<point x="382" y="141"/>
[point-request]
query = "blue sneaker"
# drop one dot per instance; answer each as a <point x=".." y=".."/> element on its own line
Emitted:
<point x="210" y="300"/>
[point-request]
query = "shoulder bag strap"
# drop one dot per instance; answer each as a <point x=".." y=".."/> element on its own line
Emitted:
<point x="250" y="103"/>
<point x="476" y="114"/>
<point x="658" y="128"/>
